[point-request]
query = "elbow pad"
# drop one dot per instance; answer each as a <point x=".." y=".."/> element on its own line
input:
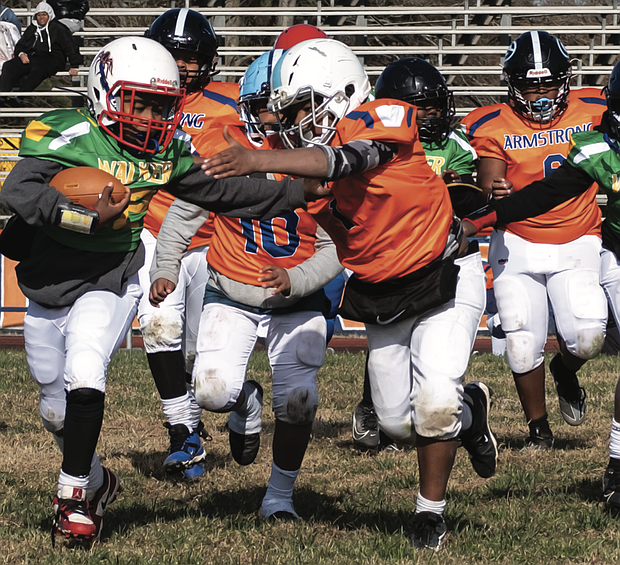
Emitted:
<point x="76" y="218"/>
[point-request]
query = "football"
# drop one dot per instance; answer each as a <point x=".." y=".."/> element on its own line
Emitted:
<point x="84" y="185"/>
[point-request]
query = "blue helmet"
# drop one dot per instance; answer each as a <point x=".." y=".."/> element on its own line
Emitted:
<point x="612" y="95"/>
<point x="254" y="91"/>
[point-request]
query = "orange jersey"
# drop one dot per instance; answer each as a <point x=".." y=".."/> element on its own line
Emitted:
<point x="239" y="248"/>
<point x="205" y="113"/>
<point x="532" y="151"/>
<point x="394" y="219"/>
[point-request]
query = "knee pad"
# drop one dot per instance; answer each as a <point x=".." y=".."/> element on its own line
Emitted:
<point x="299" y="407"/>
<point x="520" y="352"/>
<point x="589" y="343"/>
<point x="162" y="331"/>
<point x="436" y="413"/>
<point x="399" y="429"/>
<point x="213" y="391"/>
<point x="53" y="413"/>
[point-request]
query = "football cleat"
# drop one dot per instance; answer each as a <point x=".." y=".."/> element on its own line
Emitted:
<point x="73" y="519"/>
<point x="429" y="531"/>
<point x="387" y="444"/>
<point x="611" y="489"/>
<point x="479" y="439"/>
<point x="106" y="494"/>
<point x="365" y="427"/>
<point x="539" y="439"/>
<point x="244" y="447"/>
<point x="186" y="451"/>
<point x="572" y="397"/>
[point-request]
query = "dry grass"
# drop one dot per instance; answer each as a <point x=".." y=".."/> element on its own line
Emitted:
<point x="539" y="507"/>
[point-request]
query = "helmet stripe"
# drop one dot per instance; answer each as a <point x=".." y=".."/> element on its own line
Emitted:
<point x="536" y="50"/>
<point x="180" y="27"/>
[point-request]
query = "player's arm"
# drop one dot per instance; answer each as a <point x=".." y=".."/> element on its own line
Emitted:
<point x="309" y="276"/>
<point x="180" y="224"/>
<point x="251" y="198"/>
<point x="564" y="183"/>
<point x="330" y="163"/>
<point x="492" y="178"/>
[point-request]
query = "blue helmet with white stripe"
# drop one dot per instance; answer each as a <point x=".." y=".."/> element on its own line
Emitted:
<point x="254" y="91"/>
<point x="536" y="58"/>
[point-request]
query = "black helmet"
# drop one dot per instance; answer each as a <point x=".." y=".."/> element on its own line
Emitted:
<point x="536" y="57"/>
<point x="612" y="95"/>
<point x="416" y="81"/>
<point x="188" y="30"/>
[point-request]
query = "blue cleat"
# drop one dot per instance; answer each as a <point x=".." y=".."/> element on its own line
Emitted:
<point x="186" y="453"/>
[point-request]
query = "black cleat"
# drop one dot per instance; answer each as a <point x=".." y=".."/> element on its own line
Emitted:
<point x="429" y="530"/>
<point x="572" y="397"/>
<point x="365" y="427"/>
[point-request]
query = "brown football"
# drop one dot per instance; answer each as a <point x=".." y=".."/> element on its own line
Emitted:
<point x="84" y="185"/>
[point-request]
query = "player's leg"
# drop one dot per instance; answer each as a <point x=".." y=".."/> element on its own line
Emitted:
<point x="519" y="282"/>
<point x="295" y="347"/>
<point x="163" y="332"/>
<point x="226" y="339"/>
<point x="610" y="280"/>
<point x="580" y="309"/>
<point x="444" y="410"/>
<point x="96" y="325"/>
<point x="44" y="333"/>
<point x="366" y="433"/>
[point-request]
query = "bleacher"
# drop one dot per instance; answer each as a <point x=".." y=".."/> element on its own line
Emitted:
<point x="465" y="40"/>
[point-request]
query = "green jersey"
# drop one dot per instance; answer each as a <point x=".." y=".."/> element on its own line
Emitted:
<point x="454" y="153"/>
<point x="73" y="138"/>
<point x="593" y="153"/>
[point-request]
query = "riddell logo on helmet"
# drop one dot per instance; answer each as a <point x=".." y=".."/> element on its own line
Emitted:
<point x="166" y="81"/>
<point x="535" y="73"/>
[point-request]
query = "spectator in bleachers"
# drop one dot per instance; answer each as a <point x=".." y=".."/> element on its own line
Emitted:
<point x="8" y="15"/>
<point x="10" y="33"/>
<point x="71" y="13"/>
<point x="42" y="51"/>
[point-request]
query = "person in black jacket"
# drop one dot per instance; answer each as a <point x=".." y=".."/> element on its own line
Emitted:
<point x="42" y="51"/>
<point x="71" y="13"/>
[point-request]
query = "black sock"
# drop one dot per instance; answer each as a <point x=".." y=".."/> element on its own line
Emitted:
<point x="83" y="419"/>
<point x="614" y="464"/>
<point x="168" y="370"/>
<point x="540" y="427"/>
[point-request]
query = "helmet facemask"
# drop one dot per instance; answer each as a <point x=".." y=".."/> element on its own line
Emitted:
<point x="437" y="128"/>
<point x="543" y="110"/>
<point x="323" y="116"/>
<point x="145" y="134"/>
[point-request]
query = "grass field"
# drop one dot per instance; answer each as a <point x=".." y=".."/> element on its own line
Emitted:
<point x="540" y="507"/>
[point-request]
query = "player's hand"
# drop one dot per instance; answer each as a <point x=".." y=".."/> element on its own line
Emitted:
<point x="73" y="72"/>
<point x="500" y="188"/>
<point x="159" y="290"/>
<point x="106" y="209"/>
<point x="277" y="278"/>
<point x="236" y="161"/>
<point x="469" y="230"/>
<point x="24" y="58"/>
<point x="315" y="189"/>
<point x="450" y="175"/>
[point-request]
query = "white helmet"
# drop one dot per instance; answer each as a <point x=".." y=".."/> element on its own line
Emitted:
<point x="325" y="72"/>
<point x="121" y="69"/>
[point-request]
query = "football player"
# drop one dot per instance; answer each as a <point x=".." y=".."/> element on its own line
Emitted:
<point x="80" y="274"/>
<point x="416" y="285"/>
<point x="593" y="158"/>
<point x="551" y="257"/>
<point x="265" y="280"/>
<point x="451" y="157"/>
<point x="170" y="331"/>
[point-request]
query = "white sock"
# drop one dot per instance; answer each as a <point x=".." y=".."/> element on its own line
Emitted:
<point x="65" y="480"/>
<point x="425" y="505"/>
<point x="95" y="475"/>
<point x="179" y="411"/>
<point x="614" y="443"/>
<point x="279" y="495"/>
<point x="247" y="419"/>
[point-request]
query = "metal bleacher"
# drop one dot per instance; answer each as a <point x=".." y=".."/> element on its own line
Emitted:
<point x="465" y="39"/>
